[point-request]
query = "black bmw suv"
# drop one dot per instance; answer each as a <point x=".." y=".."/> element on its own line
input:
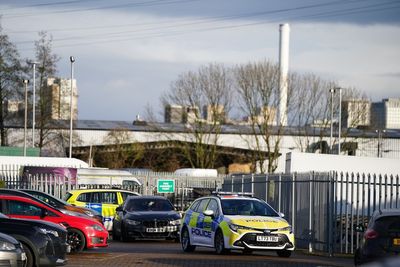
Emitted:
<point x="44" y="243"/>
<point x="149" y="217"/>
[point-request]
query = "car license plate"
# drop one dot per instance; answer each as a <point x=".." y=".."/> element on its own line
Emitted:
<point x="396" y="241"/>
<point x="267" y="238"/>
<point x="155" y="230"/>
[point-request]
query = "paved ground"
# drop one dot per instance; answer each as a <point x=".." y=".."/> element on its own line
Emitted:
<point x="164" y="253"/>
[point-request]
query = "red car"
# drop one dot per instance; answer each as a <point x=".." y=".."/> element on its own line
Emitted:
<point x="83" y="232"/>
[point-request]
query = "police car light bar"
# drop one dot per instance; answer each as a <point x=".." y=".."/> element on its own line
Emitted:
<point x="222" y="193"/>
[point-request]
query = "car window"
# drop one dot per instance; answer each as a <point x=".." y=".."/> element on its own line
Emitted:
<point x="249" y="207"/>
<point x="139" y="204"/>
<point x="84" y="197"/>
<point x="388" y="224"/>
<point x="108" y="197"/>
<point x="22" y="208"/>
<point x="213" y="205"/>
<point x="125" y="195"/>
<point x="67" y="196"/>
<point x="202" y="205"/>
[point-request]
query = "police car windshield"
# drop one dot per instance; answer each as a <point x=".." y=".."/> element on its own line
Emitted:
<point x="247" y="207"/>
<point x="137" y="204"/>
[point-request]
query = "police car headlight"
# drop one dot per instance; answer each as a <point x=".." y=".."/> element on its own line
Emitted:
<point x="175" y="222"/>
<point x="235" y="227"/>
<point x="287" y="228"/>
<point x="47" y="231"/>
<point x="132" y="222"/>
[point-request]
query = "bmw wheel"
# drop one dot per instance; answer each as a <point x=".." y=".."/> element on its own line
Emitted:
<point x="76" y="239"/>
<point x="219" y="243"/>
<point x="185" y="241"/>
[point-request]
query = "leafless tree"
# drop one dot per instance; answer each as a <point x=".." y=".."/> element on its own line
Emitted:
<point x="47" y="68"/>
<point x="209" y="89"/>
<point x="122" y="152"/>
<point x="257" y="86"/>
<point x="11" y="76"/>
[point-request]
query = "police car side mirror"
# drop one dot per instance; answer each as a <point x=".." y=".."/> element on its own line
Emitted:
<point x="281" y="214"/>
<point x="209" y="213"/>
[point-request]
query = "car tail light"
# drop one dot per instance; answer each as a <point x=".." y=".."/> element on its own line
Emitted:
<point x="371" y="234"/>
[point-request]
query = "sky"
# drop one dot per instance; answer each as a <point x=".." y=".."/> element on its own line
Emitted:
<point x="128" y="52"/>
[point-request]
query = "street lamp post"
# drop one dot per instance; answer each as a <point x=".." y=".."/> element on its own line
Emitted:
<point x="331" y="137"/>
<point x="72" y="60"/>
<point x="26" y="113"/>
<point x="33" y="102"/>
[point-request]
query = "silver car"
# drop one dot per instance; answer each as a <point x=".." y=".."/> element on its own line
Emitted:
<point x="11" y="252"/>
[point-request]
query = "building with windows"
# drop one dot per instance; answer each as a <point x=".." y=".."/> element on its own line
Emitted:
<point x="356" y="113"/>
<point x="58" y="97"/>
<point x="386" y="114"/>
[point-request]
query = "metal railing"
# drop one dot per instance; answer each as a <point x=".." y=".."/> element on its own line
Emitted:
<point x="323" y="208"/>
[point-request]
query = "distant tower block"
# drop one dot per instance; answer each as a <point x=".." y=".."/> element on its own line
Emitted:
<point x="284" y="69"/>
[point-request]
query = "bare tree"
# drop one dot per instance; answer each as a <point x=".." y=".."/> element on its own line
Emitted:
<point x="47" y="68"/>
<point x="122" y="151"/>
<point x="257" y="85"/>
<point x="11" y="76"/>
<point x="209" y="89"/>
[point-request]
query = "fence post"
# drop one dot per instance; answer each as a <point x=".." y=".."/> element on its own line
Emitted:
<point x="293" y="200"/>
<point x="310" y="217"/>
<point x="252" y="184"/>
<point x="279" y="192"/>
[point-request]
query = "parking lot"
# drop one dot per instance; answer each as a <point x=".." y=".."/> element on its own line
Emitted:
<point x="169" y="253"/>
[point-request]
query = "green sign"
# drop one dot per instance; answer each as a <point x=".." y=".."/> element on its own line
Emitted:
<point x="165" y="186"/>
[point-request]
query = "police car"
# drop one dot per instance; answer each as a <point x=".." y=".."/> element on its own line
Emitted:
<point x="234" y="222"/>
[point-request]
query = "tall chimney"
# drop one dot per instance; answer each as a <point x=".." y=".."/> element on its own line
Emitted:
<point x="284" y="69"/>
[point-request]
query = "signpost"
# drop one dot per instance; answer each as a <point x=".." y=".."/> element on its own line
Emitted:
<point x="165" y="186"/>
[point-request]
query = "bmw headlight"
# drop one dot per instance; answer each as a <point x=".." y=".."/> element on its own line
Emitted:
<point x="97" y="227"/>
<point x="235" y="227"/>
<point x="175" y="222"/>
<point x="287" y="228"/>
<point x="6" y="246"/>
<point x="132" y="222"/>
<point x="47" y="231"/>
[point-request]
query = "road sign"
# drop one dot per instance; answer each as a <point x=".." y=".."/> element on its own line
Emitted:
<point x="165" y="186"/>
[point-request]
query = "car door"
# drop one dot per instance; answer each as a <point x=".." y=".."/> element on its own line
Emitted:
<point x="25" y="210"/>
<point x="198" y="235"/>
<point x="210" y="223"/>
<point x="109" y="202"/>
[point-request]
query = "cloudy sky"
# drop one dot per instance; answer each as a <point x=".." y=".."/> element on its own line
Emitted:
<point x="129" y="51"/>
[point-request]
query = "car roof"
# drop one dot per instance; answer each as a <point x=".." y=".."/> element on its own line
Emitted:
<point x="101" y="190"/>
<point x="146" y="197"/>
<point x="29" y="199"/>
<point x="19" y="193"/>
<point x="386" y="212"/>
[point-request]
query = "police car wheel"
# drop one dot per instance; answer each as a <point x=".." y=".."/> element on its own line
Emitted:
<point x="219" y="243"/>
<point x="185" y="242"/>
<point x="284" y="253"/>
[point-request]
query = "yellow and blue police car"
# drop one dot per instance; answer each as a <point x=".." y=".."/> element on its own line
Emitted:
<point x="104" y="201"/>
<point x="234" y="222"/>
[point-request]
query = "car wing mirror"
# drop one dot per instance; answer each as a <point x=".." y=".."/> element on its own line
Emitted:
<point x="44" y="213"/>
<point x="281" y="214"/>
<point x="209" y="213"/>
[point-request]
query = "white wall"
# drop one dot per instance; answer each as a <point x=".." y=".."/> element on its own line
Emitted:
<point x="304" y="162"/>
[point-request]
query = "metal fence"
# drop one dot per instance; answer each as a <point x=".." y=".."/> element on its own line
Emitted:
<point x="323" y="208"/>
<point x="187" y="188"/>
